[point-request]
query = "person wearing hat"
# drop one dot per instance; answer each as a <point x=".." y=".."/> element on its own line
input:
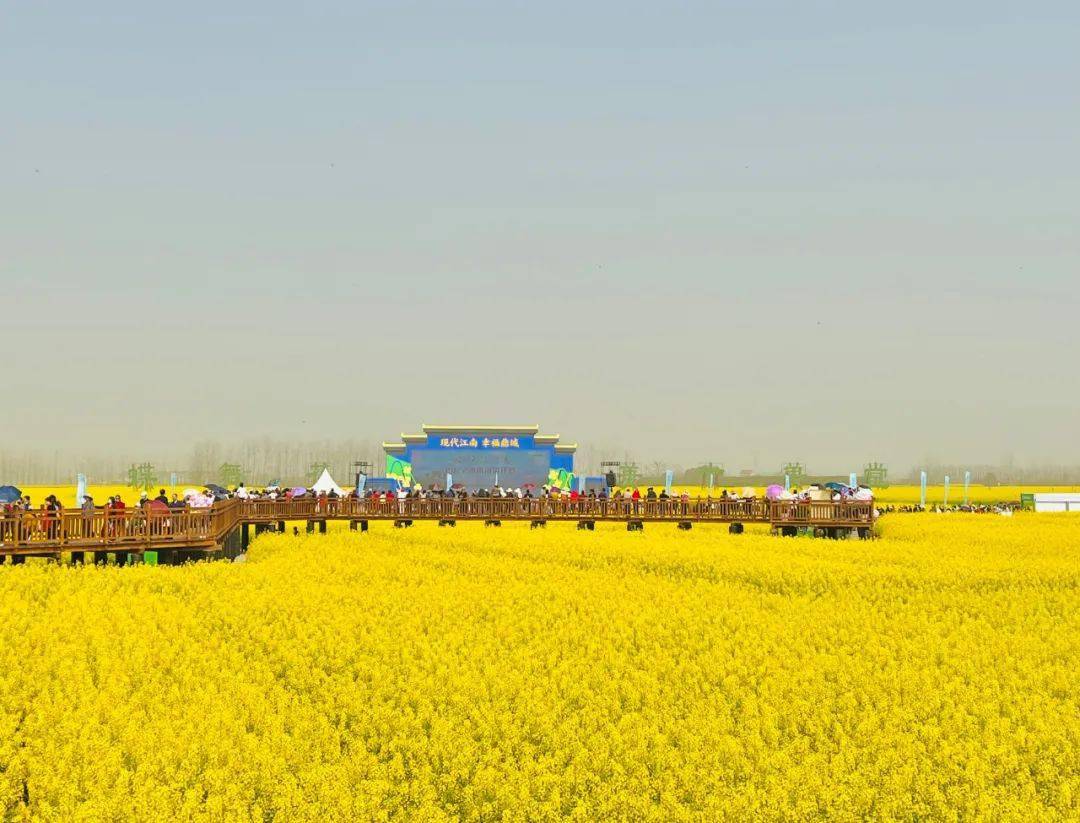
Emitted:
<point x="87" y="516"/>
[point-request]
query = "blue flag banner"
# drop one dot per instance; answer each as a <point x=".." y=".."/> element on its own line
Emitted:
<point x="946" y="500"/>
<point x="80" y="490"/>
<point x="967" y="483"/>
<point x="853" y="480"/>
<point x="922" y="489"/>
<point x="669" y="476"/>
<point x="710" y="485"/>
<point x="787" y="482"/>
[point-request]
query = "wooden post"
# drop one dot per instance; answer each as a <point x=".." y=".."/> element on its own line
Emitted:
<point x="245" y="538"/>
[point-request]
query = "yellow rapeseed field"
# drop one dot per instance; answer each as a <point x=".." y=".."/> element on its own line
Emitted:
<point x="508" y="674"/>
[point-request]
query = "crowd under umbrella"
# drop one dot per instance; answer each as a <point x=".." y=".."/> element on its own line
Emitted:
<point x="220" y="492"/>
<point x="9" y="494"/>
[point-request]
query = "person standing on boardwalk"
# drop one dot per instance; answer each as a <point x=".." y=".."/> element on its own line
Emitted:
<point x="87" y="516"/>
<point x="54" y="512"/>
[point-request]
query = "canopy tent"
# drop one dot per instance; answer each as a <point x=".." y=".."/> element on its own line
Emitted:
<point x="326" y="483"/>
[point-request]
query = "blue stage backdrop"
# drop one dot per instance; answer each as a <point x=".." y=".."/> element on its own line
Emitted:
<point x="519" y="456"/>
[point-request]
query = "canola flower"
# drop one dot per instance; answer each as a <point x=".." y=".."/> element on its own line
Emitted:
<point x="504" y="674"/>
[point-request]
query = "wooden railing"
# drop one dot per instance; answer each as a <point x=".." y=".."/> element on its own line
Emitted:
<point x="138" y="529"/>
<point x="134" y="529"/>
<point x="511" y="508"/>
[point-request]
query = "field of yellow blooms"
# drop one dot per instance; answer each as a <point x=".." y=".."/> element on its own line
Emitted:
<point x="482" y="674"/>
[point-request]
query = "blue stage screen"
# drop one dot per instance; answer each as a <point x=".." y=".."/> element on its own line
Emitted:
<point x="478" y="468"/>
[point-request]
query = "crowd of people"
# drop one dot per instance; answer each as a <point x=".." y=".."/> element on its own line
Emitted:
<point x="940" y="508"/>
<point x="22" y="521"/>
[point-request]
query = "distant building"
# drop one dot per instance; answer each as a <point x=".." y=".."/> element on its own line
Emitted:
<point x="1057" y="502"/>
<point x="477" y="457"/>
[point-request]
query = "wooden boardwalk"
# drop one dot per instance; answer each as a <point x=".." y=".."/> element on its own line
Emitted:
<point x="225" y="526"/>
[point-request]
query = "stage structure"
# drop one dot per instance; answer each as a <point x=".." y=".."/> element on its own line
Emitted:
<point x="476" y="457"/>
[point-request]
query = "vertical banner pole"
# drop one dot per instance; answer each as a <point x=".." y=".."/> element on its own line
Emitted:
<point x="449" y="481"/>
<point x="787" y="482"/>
<point x="922" y="489"/>
<point x="710" y="485"/>
<point x="853" y="480"/>
<point x="946" y="499"/>
<point x="669" y="476"/>
<point x="967" y="484"/>
<point x="80" y="490"/>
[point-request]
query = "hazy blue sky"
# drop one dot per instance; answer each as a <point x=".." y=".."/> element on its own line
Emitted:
<point x="827" y="231"/>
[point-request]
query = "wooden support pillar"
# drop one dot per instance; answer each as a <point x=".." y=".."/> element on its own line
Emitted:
<point x="121" y="558"/>
<point x="77" y="558"/>
<point x="245" y="537"/>
<point x="281" y="526"/>
<point x="310" y="527"/>
<point x="101" y="558"/>
<point x="352" y="525"/>
<point x="322" y="527"/>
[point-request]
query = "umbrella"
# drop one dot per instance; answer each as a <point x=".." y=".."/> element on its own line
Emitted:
<point x="836" y="487"/>
<point x="774" y="491"/>
<point x="299" y="492"/>
<point x="158" y="506"/>
<point x="9" y="494"/>
<point x="528" y="485"/>
<point x="216" y="490"/>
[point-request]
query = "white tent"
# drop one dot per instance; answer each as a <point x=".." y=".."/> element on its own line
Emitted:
<point x="326" y="483"/>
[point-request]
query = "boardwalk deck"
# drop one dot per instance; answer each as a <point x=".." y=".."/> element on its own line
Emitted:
<point x="137" y="530"/>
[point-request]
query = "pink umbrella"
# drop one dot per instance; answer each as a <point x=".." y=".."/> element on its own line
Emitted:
<point x="774" y="491"/>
